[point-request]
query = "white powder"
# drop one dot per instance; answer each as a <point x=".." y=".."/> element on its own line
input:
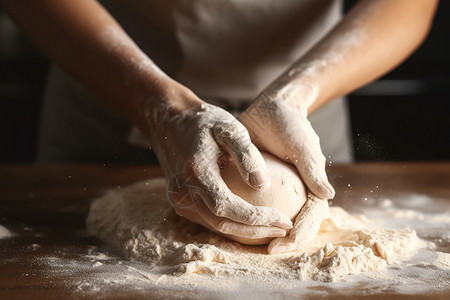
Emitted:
<point x="4" y="232"/>
<point x="443" y="259"/>
<point x="140" y="220"/>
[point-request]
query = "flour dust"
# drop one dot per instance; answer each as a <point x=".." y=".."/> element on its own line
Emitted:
<point x="141" y="222"/>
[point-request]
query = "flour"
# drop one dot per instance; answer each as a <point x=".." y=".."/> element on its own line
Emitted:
<point x="4" y="232"/>
<point x="443" y="259"/>
<point x="140" y="220"/>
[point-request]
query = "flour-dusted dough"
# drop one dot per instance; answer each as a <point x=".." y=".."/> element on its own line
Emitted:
<point x="140" y="220"/>
<point x="286" y="192"/>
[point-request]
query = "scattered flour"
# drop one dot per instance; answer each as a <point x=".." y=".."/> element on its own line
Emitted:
<point x="4" y="232"/>
<point x="141" y="221"/>
<point x="443" y="259"/>
<point x="34" y="247"/>
<point x="405" y="213"/>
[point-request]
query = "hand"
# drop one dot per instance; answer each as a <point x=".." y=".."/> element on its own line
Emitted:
<point x="306" y="227"/>
<point x="280" y="128"/>
<point x="189" y="144"/>
<point x="284" y="131"/>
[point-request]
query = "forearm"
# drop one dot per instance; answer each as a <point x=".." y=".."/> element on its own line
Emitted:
<point x="81" y="37"/>
<point x="374" y="37"/>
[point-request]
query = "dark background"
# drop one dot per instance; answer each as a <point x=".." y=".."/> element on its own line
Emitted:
<point x="405" y="115"/>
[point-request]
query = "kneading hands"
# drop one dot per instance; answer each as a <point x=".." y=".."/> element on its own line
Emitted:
<point x="190" y="145"/>
<point x="190" y="137"/>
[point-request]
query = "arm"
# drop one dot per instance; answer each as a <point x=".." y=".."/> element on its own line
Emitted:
<point x="82" y="38"/>
<point x="186" y="134"/>
<point x="374" y="37"/>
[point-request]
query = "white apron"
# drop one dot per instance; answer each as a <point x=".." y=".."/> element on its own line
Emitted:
<point x="226" y="51"/>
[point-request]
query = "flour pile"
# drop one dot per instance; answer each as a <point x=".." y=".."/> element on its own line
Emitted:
<point x="141" y="221"/>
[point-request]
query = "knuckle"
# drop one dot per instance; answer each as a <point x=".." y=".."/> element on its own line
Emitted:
<point x="224" y="132"/>
<point x="230" y="130"/>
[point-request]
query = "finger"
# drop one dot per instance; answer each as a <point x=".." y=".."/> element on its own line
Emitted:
<point x="233" y="207"/>
<point x="234" y="138"/>
<point x="210" y="188"/>
<point x="229" y="227"/>
<point x="223" y="203"/>
<point x="311" y="166"/>
<point x="306" y="227"/>
<point x="307" y="223"/>
<point x="282" y="245"/>
<point x="203" y="216"/>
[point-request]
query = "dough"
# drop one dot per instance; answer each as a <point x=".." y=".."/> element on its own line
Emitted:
<point x="286" y="192"/>
<point x="140" y="220"/>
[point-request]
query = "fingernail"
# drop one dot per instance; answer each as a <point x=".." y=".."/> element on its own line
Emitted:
<point x="287" y="225"/>
<point x="330" y="189"/>
<point x="258" y="178"/>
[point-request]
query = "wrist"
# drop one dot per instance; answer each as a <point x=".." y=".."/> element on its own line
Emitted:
<point x="298" y="92"/>
<point x="158" y="104"/>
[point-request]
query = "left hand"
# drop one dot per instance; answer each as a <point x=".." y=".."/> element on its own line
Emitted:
<point x="282" y="129"/>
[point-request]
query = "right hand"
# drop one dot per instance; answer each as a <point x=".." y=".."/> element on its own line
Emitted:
<point x="278" y="122"/>
<point x="189" y="143"/>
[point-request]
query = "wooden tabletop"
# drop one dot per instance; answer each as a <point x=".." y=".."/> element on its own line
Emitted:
<point x="45" y="207"/>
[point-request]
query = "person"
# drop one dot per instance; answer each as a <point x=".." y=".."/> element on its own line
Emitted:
<point x="170" y="65"/>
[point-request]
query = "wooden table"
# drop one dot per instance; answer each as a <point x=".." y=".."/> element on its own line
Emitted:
<point x="45" y="207"/>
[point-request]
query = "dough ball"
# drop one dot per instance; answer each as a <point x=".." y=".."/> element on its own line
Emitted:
<point x="286" y="192"/>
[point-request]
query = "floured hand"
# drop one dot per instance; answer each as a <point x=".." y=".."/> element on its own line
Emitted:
<point x="279" y="125"/>
<point x="189" y="144"/>
<point x="281" y="130"/>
